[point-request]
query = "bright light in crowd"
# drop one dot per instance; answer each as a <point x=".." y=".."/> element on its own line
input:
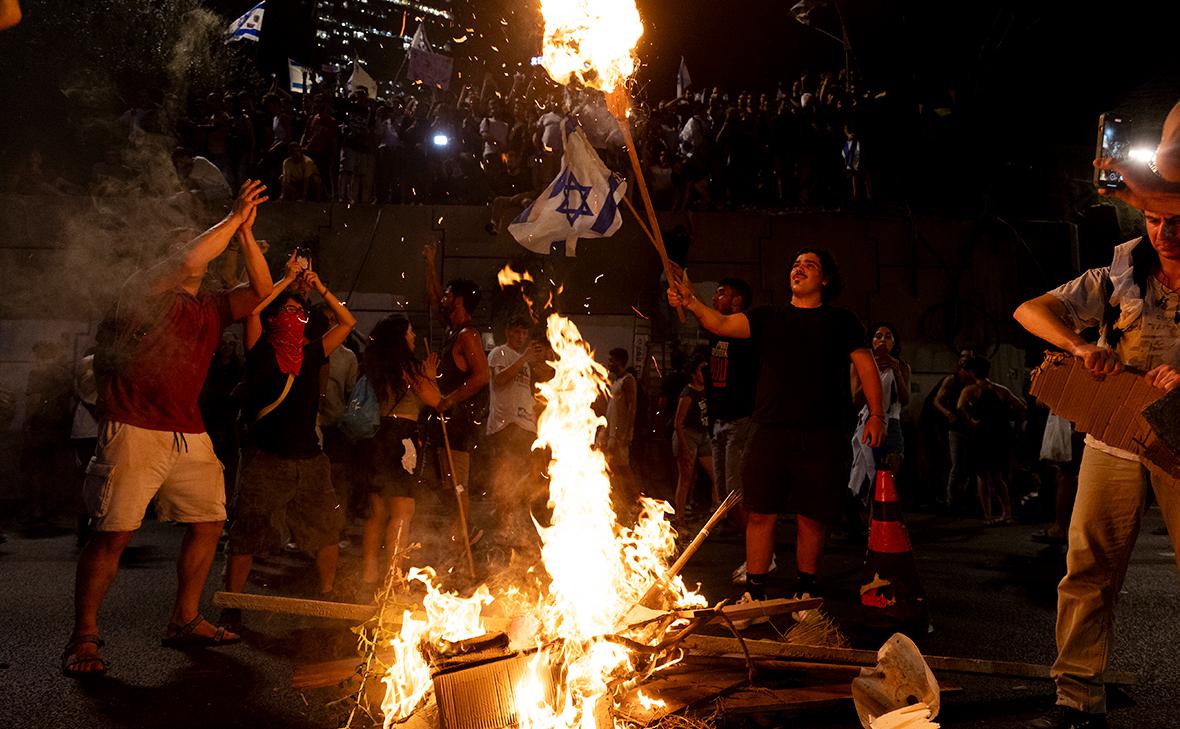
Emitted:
<point x="441" y="140"/>
<point x="1141" y="154"/>
<point x="590" y="40"/>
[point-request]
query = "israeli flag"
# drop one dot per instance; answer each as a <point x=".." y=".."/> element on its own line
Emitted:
<point x="582" y="202"/>
<point x="301" y="77"/>
<point x="247" y="27"/>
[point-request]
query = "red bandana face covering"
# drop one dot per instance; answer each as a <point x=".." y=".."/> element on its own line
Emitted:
<point x="286" y="336"/>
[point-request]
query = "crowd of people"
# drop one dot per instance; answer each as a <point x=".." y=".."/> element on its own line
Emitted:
<point x="319" y="432"/>
<point x="800" y="146"/>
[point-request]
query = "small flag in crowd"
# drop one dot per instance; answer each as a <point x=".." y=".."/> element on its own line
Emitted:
<point x="432" y="69"/>
<point x="361" y="79"/>
<point x="247" y="27"/>
<point x="301" y="77"/>
<point x="582" y="202"/>
<point x="683" y="80"/>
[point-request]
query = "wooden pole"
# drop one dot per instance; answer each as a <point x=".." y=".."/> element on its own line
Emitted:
<point x="709" y="645"/>
<point x="442" y="421"/>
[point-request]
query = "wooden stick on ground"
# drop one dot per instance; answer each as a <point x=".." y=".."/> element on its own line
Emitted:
<point x="711" y="645"/>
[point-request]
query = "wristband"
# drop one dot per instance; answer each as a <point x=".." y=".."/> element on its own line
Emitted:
<point x="882" y="418"/>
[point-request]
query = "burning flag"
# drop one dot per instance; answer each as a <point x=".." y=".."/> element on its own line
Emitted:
<point x="247" y="27"/>
<point x="581" y="202"/>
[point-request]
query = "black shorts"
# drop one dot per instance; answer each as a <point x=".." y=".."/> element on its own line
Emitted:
<point x="386" y="473"/>
<point x="793" y="470"/>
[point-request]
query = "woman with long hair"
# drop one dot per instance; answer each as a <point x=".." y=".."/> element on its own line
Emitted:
<point x="404" y="385"/>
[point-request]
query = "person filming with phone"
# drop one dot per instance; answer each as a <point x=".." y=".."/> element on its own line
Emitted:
<point x="1135" y="303"/>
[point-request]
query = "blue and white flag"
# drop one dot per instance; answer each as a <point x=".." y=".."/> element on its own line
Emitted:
<point x="582" y="202"/>
<point x="301" y="77"/>
<point x="247" y="27"/>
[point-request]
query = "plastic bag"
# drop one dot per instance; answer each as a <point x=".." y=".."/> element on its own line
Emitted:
<point x="362" y="414"/>
<point x="1055" y="444"/>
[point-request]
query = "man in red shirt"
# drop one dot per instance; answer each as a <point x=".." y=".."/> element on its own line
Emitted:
<point x="154" y="353"/>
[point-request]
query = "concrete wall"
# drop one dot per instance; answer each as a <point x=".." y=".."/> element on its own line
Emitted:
<point x="945" y="283"/>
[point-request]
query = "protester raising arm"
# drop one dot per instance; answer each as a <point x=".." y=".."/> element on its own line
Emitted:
<point x="433" y="287"/>
<point x="186" y="264"/>
<point x="680" y="294"/>
<point x="345" y="321"/>
<point x="244" y="297"/>
<point x="254" y="320"/>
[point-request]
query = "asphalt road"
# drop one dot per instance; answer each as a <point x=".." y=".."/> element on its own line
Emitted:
<point x="991" y="592"/>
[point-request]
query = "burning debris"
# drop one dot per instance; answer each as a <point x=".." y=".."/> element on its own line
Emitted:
<point x="578" y="639"/>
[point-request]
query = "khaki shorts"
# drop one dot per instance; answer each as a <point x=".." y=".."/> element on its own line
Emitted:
<point x="133" y="465"/>
<point x="278" y="497"/>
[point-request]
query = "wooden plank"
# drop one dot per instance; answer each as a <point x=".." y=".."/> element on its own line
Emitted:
<point x="678" y="688"/>
<point x="757" y="699"/>
<point x="333" y="610"/>
<point x="713" y="645"/>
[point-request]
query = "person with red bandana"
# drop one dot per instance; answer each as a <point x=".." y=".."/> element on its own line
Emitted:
<point x="284" y="477"/>
<point x="154" y="352"/>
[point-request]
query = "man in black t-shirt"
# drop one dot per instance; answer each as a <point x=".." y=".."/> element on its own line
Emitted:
<point x="730" y="386"/>
<point x="799" y="453"/>
<point x="285" y="479"/>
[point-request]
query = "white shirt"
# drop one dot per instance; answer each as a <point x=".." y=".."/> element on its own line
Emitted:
<point x="512" y="404"/>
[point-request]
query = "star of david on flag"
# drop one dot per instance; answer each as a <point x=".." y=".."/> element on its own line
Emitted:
<point x="581" y="202"/>
<point x="247" y="27"/>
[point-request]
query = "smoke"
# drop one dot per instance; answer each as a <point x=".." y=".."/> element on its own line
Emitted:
<point x="89" y="238"/>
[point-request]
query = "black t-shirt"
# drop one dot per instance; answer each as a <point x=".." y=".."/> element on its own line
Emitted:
<point x="288" y="430"/>
<point x="803" y="378"/>
<point x="697" y="418"/>
<point x="732" y="378"/>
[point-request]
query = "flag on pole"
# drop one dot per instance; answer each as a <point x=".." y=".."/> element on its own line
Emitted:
<point x="301" y="77"/>
<point x="361" y="79"/>
<point x="432" y="69"/>
<point x="247" y="27"/>
<point x="683" y="80"/>
<point x="581" y="202"/>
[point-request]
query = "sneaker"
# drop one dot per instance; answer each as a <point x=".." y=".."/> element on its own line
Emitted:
<point x="739" y="575"/>
<point x="1065" y="717"/>
<point x="743" y="623"/>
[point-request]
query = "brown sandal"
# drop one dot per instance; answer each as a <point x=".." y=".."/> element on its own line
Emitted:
<point x="70" y="661"/>
<point x="182" y="636"/>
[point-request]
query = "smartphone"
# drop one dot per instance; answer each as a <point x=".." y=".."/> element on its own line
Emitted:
<point x="303" y="257"/>
<point x="1114" y="142"/>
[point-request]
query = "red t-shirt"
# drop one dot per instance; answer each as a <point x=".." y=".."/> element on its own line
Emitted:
<point x="165" y="349"/>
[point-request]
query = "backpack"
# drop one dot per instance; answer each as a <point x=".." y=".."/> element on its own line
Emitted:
<point x="362" y="414"/>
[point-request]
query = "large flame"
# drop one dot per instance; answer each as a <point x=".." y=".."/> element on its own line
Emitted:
<point x="592" y="41"/>
<point x="598" y="569"/>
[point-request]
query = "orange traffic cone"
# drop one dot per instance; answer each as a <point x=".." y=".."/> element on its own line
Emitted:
<point x="891" y="595"/>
